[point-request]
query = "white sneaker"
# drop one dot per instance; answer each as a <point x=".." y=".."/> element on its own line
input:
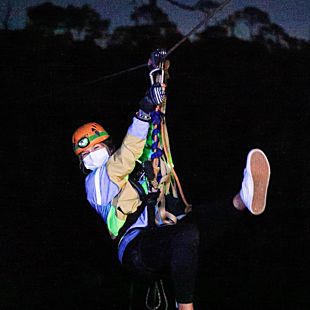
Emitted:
<point x="255" y="182"/>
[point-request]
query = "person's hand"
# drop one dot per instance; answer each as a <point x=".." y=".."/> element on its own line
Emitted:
<point x="153" y="97"/>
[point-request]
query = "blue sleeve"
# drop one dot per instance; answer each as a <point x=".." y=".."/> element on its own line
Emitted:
<point x="100" y="191"/>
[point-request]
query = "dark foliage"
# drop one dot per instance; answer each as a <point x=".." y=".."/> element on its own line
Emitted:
<point x="80" y="23"/>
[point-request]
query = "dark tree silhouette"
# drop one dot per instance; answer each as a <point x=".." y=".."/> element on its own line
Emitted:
<point x="275" y="35"/>
<point x="201" y="5"/>
<point x="252" y="17"/>
<point x="252" y="24"/>
<point x="85" y="22"/>
<point x="6" y="15"/>
<point x="213" y="32"/>
<point x="150" y="14"/>
<point x="82" y="22"/>
<point x="45" y="18"/>
<point x="206" y="7"/>
<point x="152" y="27"/>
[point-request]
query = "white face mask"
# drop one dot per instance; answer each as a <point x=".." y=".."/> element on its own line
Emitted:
<point x="96" y="159"/>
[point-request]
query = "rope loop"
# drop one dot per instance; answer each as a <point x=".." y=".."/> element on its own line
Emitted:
<point x="156" y="295"/>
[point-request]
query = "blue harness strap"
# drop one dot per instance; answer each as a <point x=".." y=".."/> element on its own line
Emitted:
<point x="156" y="121"/>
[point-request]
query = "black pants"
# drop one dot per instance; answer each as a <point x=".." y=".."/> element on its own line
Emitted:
<point x="167" y="251"/>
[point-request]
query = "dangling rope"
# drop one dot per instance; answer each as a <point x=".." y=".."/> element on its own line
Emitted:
<point x="160" y="152"/>
<point x="166" y="146"/>
<point x="156" y="294"/>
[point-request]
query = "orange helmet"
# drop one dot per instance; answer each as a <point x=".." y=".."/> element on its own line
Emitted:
<point x="87" y="136"/>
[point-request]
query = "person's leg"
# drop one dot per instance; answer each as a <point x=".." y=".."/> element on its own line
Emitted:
<point x="186" y="306"/>
<point x="255" y="183"/>
<point x="171" y="251"/>
<point x="184" y="260"/>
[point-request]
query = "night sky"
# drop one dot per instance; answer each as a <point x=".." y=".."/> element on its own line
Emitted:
<point x="292" y="15"/>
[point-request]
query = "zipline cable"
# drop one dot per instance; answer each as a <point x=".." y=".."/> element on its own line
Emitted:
<point x="204" y="21"/>
<point x="109" y="76"/>
<point x="200" y="24"/>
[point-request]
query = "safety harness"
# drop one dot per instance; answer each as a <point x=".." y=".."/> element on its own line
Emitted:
<point x="156" y="159"/>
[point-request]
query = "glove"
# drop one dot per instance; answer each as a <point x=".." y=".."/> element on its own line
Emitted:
<point x="156" y="57"/>
<point x="153" y="97"/>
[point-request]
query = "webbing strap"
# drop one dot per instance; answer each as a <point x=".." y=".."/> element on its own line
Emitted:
<point x="130" y="220"/>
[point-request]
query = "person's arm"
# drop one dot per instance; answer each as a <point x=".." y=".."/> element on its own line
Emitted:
<point x="123" y="161"/>
<point x="105" y="183"/>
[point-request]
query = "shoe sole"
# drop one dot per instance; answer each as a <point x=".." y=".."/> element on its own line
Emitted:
<point x="260" y="170"/>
